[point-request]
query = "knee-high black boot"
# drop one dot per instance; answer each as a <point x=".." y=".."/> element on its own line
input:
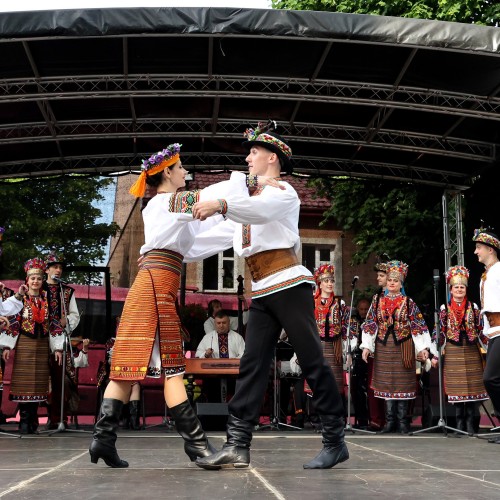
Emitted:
<point x="189" y="427"/>
<point x="402" y="413"/>
<point x="103" y="444"/>
<point x="334" y="448"/>
<point x="460" y="416"/>
<point x="24" y="418"/>
<point x="470" y="410"/>
<point x="390" y="416"/>
<point x="133" y="408"/>
<point x="236" y="450"/>
<point x="33" y="417"/>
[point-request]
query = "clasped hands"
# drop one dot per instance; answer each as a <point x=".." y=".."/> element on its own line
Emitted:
<point x="202" y="210"/>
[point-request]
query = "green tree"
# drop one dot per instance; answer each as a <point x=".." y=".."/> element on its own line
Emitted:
<point x="464" y="11"/>
<point x="52" y="214"/>
<point x="401" y="220"/>
<point x="398" y="219"/>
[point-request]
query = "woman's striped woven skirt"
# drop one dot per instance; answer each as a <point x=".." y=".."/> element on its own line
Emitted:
<point x="150" y="310"/>
<point x="391" y="380"/>
<point x="463" y="373"/>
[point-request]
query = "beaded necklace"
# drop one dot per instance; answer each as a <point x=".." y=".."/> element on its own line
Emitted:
<point x="37" y="306"/>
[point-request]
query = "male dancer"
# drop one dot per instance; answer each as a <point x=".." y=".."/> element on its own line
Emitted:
<point x="266" y="234"/>
<point x="60" y="317"/>
<point x="487" y="248"/>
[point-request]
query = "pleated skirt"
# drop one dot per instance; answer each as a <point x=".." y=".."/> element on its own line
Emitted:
<point x="463" y="373"/>
<point x="391" y="379"/>
<point x="337" y="367"/>
<point x="30" y="374"/>
<point x="149" y="324"/>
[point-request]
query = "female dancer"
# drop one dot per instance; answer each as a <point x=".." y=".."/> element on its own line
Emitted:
<point x="462" y="332"/>
<point x="149" y="338"/>
<point x="394" y="325"/>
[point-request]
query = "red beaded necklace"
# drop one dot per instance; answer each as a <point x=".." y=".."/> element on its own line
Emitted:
<point x="37" y="306"/>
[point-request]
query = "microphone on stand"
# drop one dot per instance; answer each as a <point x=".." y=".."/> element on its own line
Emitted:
<point x="354" y="280"/>
<point x="59" y="280"/>
<point x="435" y="275"/>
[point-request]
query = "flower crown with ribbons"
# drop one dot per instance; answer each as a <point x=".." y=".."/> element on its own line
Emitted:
<point x="154" y="164"/>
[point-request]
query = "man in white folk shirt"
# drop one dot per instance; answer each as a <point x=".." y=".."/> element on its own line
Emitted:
<point x="220" y="343"/>
<point x="262" y="226"/>
<point x="487" y="248"/>
<point x="215" y="305"/>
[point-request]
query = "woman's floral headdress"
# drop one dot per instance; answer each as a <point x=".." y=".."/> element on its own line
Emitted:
<point x="457" y="275"/>
<point x="324" y="271"/>
<point x="154" y="164"/>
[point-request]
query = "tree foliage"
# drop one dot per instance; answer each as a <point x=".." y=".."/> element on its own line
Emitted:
<point x="55" y="214"/>
<point x="485" y="12"/>
<point x="400" y="220"/>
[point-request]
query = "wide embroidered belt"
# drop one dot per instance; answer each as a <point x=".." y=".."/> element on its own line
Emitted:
<point x="493" y="319"/>
<point x="265" y="263"/>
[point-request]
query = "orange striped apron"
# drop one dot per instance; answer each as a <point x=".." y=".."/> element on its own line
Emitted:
<point x="150" y="310"/>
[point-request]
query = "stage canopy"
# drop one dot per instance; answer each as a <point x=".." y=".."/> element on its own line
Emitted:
<point x="95" y="91"/>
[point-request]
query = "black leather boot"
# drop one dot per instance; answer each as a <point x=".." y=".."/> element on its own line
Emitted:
<point x="236" y="451"/>
<point x="189" y="427"/>
<point x="402" y="414"/>
<point x="470" y="409"/>
<point x="334" y="448"/>
<point x="33" y="412"/>
<point x="24" y="418"/>
<point x="390" y="416"/>
<point x="460" y="416"/>
<point x="133" y="408"/>
<point x="103" y="444"/>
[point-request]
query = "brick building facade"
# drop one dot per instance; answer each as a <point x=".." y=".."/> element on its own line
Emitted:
<point x="218" y="274"/>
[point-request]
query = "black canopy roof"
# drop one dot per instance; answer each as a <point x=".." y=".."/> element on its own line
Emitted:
<point x="366" y="96"/>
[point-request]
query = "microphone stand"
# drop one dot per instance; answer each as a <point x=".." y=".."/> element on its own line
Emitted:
<point x="66" y="349"/>
<point x="441" y="425"/>
<point x="275" y="423"/>
<point x="348" y="426"/>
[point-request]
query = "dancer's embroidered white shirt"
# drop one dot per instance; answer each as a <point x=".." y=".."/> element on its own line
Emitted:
<point x="273" y="218"/>
<point x="491" y="298"/>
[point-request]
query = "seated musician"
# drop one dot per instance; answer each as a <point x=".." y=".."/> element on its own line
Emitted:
<point x="215" y="306"/>
<point x="220" y="343"/>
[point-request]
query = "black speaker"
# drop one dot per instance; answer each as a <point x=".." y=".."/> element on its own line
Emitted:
<point x="213" y="416"/>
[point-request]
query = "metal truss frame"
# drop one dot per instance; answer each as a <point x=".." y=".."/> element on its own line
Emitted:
<point x="452" y="228"/>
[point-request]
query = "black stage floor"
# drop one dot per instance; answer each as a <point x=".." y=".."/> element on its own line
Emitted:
<point x="415" y="467"/>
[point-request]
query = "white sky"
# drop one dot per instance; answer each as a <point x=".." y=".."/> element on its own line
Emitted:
<point x="19" y="5"/>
